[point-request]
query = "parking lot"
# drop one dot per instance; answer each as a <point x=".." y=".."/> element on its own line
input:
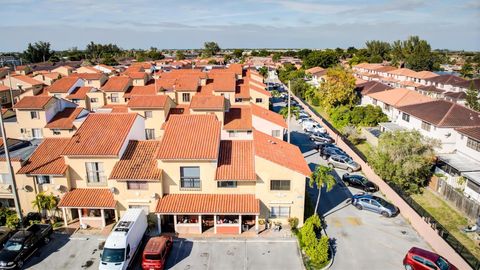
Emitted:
<point x="361" y="239"/>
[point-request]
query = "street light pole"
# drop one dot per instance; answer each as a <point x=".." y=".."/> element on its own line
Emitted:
<point x="10" y="168"/>
<point x="11" y="90"/>
<point x="288" y="117"/>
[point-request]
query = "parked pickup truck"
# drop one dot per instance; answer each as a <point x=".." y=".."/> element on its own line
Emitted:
<point x="23" y="244"/>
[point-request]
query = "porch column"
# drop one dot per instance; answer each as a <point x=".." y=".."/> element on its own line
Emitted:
<point x="80" y="216"/>
<point x="64" y="212"/>
<point x="256" y="224"/>
<point x="200" y="223"/>
<point x="175" y="223"/>
<point x="159" y="223"/>
<point x="116" y="215"/>
<point x="239" y="224"/>
<point x="215" y="224"/>
<point x="102" y="214"/>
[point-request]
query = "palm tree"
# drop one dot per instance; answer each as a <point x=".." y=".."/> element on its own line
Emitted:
<point x="40" y="203"/>
<point x="51" y="202"/>
<point x="322" y="177"/>
<point x="294" y="111"/>
<point x="310" y="93"/>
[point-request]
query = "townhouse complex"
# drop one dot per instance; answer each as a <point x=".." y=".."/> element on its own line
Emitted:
<point x="196" y="148"/>
<point x="434" y="105"/>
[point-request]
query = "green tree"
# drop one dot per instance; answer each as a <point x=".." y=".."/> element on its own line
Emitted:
<point x="303" y="53"/>
<point x="227" y="58"/>
<point x="109" y="60"/>
<point x="405" y="159"/>
<point x="299" y="87"/>
<point x="316" y="249"/>
<point x="238" y="53"/>
<point x="294" y="111"/>
<point x="351" y="51"/>
<point x="324" y="59"/>
<point x="179" y="55"/>
<point x="378" y="51"/>
<point x="472" y="98"/>
<point x="45" y="203"/>
<point x="96" y="51"/>
<point x="38" y="52"/>
<point x="415" y="53"/>
<point x="263" y="71"/>
<point x="155" y="54"/>
<point x="263" y="53"/>
<point x="254" y="53"/>
<point x="275" y="93"/>
<point x="338" y="88"/>
<point x="210" y="49"/>
<point x="276" y="57"/>
<point x="322" y="177"/>
<point x="467" y="70"/>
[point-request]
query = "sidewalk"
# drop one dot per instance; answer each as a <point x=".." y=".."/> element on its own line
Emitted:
<point x="423" y="229"/>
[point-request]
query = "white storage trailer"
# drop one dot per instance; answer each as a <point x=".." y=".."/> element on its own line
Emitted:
<point x="124" y="240"/>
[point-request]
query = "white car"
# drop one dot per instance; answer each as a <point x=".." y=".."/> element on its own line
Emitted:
<point x="315" y="129"/>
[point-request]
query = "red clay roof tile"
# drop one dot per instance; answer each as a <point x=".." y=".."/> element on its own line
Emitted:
<point x="236" y="161"/>
<point x="204" y="102"/>
<point x="88" y="198"/>
<point x="148" y="101"/>
<point x="209" y="204"/>
<point x="47" y="159"/>
<point x="33" y="102"/>
<point x="238" y="118"/>
<point x="62" y="85"/>
<point x="64" y="119"/>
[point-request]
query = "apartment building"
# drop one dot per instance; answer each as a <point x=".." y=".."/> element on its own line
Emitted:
<point x="65" y="86"/>
<point x="115" y="88"/>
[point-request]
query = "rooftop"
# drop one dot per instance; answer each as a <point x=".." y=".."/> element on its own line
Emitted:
<point x="158" y="101"/>
<point x="400" y="97"/>
<point x="80" y="92"/>
<point x="62" y="85"/>
<point x="200" y="102"/>
<point x="47" y="159"/>
<point x="268" y="115"/>
<point x="116" y="84"/>
<point x="236" y="161"/>
<point x="209" y="204"/>
<point x="33" y="102"/>
<point x="238" y="118"/>
<point x="65" y="118"/>
<point x="88" y="198"/>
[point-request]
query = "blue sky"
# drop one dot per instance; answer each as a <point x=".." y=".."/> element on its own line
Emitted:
<point x="241" y="23"/>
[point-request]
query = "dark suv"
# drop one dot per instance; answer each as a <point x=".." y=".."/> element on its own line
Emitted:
<point x="359" y="181"/>
<point x="326" y="152"/>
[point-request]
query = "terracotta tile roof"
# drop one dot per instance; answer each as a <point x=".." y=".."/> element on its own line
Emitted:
<point x="62" y="85"/>
<point x="4" y="88"/>
<point x="314" y="70"/>
<point x="138" y="162"/>
<point x="258" y="89"/>
<point x="209" y="204"/>
<point x="367" y="66"/>
<point x="187" y="84"/>
<point x="280" y="152"/>
<point x="47" y="158"/>
<point x="88" y="198"/>
<point x="430" y="88"/>
<point x="224" y="83"/>
<point x="238" y="118"/>
<point x="242" y="91"/>
<point x="455" y="95"/>
<point x="400" y="97"/>
<point x="80" y="92"/>
<point x="120" y="108"/>
<point x="89" y="76"/>
<point x="101" y="134"/>
<point x="442" y="113"/>
<point x="447" y="79"/>
<point x="165" y="84"/>
<point x="385" y="68"/>
<point x="116" y="84"/>
<point x="64" y="119"/>
<point x="467" y="84"/>
<point x="191" y="137"/>
<point x="92" y="69"/>
<point x="33" y="102"/>
<point x="200" y="102"/>
<point x="268" y="115"/>
<point x="236" y="161"/>
<point x="404" y="72"/>
<point x="371" y="87"/>
<point x="147" y="101"/>
<point x="472" y="132"/>
<point x="137" y="75"/>
<point x="27" y="80"/>
<point x="425" y="74"/>
<point x="145" y="90"/>
<point x="237" y="68"/>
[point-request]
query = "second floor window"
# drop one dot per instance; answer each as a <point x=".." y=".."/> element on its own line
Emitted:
<point x="148" y="114"/>
<point x="473" y="144"/>
<point x="35" y="115"/>
<point x="95" y="172"/>
<point x="275" y="133"/>
<point x="134" y="185"/>
<point x="186" y="97"/>
<point x="426" y="126"/>
<point x="94" y="100"/>
<point x="36" y="133"/>
<point x="386" y="107"/>
<point x="114" y="98"/>
<point x="279" y="184"/>
<point x="190" y="177"/>
<point x="43" y="179"/>
<point x="258" y="100"/>
<point x="406" y="117"/>
<point x="227" y="184"/>
<point x="56" y="131"/>
<point x="149" y="133"/>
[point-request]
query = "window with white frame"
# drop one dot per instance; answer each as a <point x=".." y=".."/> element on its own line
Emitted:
<point x="149" y="133"/>
<point x="426" y="126"/>
<point x="5" y="179"/>
<point x="137" y="185"/>
<point x="190" y="177"/>
<point x="114" y="97"/>
<point x="34" y="115"/>
<point x="279" y="211"/>
<point x="148" y="114"/>
<point x="95" y="172"/>
<point x="406" y="117"/>
<point x="43" y="179"/>
<point x="232" y="134"/>
<point x="227" y="184"/>
<point x="93" y="100"/>
<point x="186" y="97"/>
<point x="473" y="144"/>
<point x="36" y="133"/>
<point x="387" y="107"/>
<point x="275" y="133"/>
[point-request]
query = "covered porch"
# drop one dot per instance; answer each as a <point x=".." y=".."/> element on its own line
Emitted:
<point x="208" y="213"/>
<point x="91" y="207"/>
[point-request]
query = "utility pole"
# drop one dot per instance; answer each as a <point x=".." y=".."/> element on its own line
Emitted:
<point x="288" y="117"/>
<point x="10" y="169"/>
<point x="11" y="90"/>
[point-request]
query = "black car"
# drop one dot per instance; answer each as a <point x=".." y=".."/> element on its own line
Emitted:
<point x="359" y="181"/>
<point x="31" y="216"/>
<point x="320" y="145"/>
<point x="5" y="234"/>
<point x="23" y="244"/>
<point x="321" y="137"/>
<point x="326" y="152"/>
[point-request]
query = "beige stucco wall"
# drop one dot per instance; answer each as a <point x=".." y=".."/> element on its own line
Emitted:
<point x="126" y="198"/>
<point x="255" y="95"/>
<point x="155" y="122"/>
<point x="121" y="99"/>
<point x="179" y="99"/>
<point x="25" y="120"/>
<point x="93" y="106"/>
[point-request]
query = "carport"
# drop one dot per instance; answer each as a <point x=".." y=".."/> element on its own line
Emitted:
<point x="196" y="213"/>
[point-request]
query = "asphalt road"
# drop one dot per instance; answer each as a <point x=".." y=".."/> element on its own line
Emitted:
<point x="361" y="239"/>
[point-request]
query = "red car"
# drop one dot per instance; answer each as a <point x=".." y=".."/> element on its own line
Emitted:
<point x="156" y="253"/>
<point x="420" y="259"/>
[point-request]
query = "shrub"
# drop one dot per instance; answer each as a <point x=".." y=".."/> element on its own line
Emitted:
<point x="12" y="221"/>
<point x="352" y="134"/>
<point x="293" y="222"/>
<point x="315" y="248"/>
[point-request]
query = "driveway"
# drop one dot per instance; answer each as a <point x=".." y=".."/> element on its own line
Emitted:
<point x="361" y="239"/>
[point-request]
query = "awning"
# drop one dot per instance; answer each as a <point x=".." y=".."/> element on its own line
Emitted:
<point x="208" y="204"/>
<point x="88" y="198"/>
<point x="460" y="162"/>
<point x="473" y="176"/>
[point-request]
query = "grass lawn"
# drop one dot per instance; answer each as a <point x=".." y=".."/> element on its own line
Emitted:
<point x="322" y="112"/>
<point x="449" y="217"/>
<point x="364" y="147"/>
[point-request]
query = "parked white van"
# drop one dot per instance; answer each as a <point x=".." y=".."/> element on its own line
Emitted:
<point x="124" y="240"/>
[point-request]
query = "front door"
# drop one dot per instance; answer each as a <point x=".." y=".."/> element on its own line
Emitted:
<point x="207" y="222"/>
